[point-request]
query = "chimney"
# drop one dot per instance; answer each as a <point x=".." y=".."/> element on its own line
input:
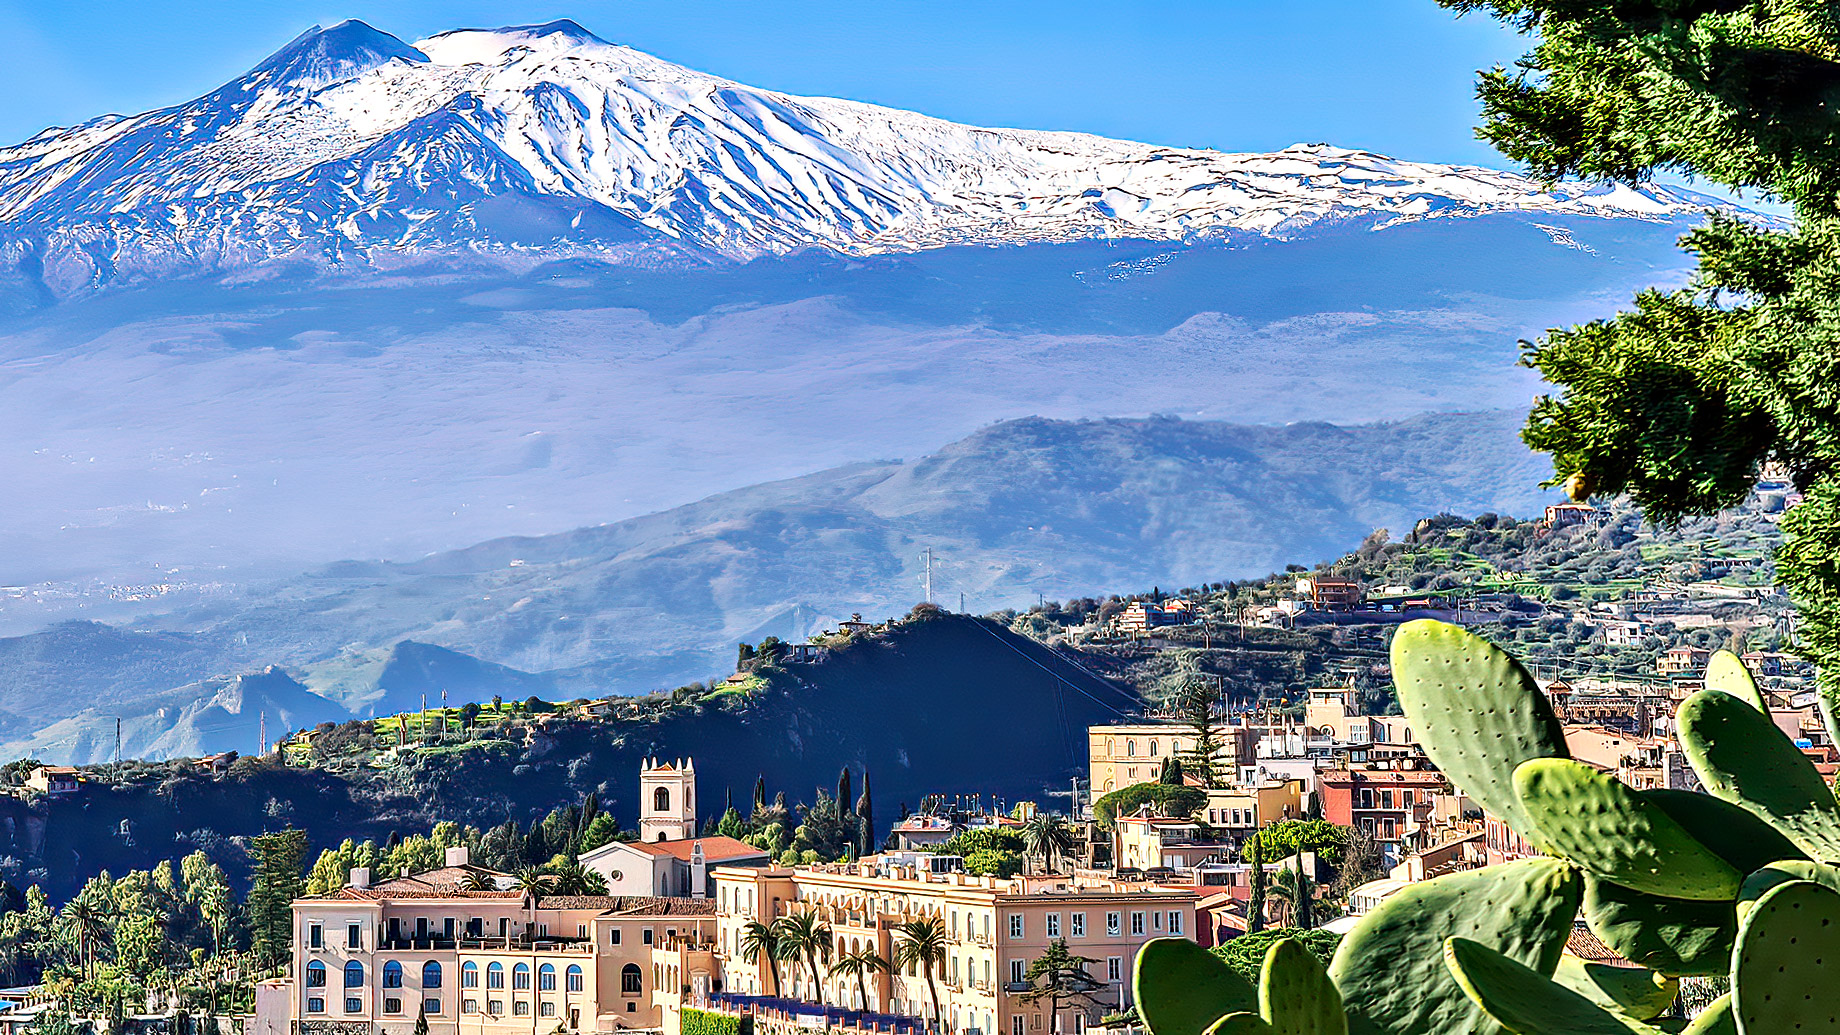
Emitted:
<point x="699" y="872"/>
<point x="457" y="856"/>
<point x="360" y="877"/>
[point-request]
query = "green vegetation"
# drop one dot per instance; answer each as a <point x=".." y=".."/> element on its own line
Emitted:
<point x="1164" y="800"/>
<point x="1682" y="400"/>
<point x="1740" y="882"/>
<point x="1246" y="953"/>
<point x="704" y="1022"/>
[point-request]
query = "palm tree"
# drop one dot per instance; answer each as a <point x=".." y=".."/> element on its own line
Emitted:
<point x="533" y="881"/>
<point x="858" y="964"/>
<point x="804" y="936"/>
<point x="923" y="945"/>
<point x="90" y="923"/>
<point x="575" y="879"/>
<point x="479" y="880"/>
<point x="758" y="940"/>
<point x="1047" y="838"/>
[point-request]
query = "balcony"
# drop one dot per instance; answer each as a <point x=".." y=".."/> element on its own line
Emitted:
<point x="411" y="943"/>
<point x="1016" y="987"/>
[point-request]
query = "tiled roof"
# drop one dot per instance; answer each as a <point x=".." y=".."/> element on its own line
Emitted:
<point x="715" y="848"/>
<point x="649" y="905"/>
<point x="1587" y="946"/>
<point x="446" y="882"/>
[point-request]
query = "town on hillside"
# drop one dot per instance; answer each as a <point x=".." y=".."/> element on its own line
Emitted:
<point x="1257" y="780"/>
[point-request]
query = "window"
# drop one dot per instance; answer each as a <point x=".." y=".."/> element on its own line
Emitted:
<point x="1111" y="924"/>
<point x="391" y="1004"/>
<point x="1017" y="971"/>
<point x="546" y="1009"/>
<point x="316" y="1005"/>
<point x="1156" y="921"/>
<point x="316" y="936"/>
<point x="353" y="1004"/>
<point x="392" y="976"/>
<point x="574" y="977"/>
<point x="469" y="974"/>
<point x="1386" y="799"/>
<point x="469" y="1006"/>
<point x="631" y="980"/>
<point x="1130" y="748"/>
<point x="1015" y="1025"/>
<point x="1175" y="922"/>
<point x="613" y="937"/>
<point x="520" y="978"/>
<point x="661" y="800"/>
<point x="354" y="974"/>
<point x="646" y="936"/>
<point x="431" y="975"/>
<point x="354" y="936"/>
<point x="1054" y="925"/>
<point x="495" y="1007"/>
<point x="546" y="978"/>
<point x="1015" y="925"/>
<point x="520" y="1008"/>
<point x="431" y="1005"/>
<point x="1137" y="923"/>
<point x="1114" y="968"/>
<point x="316" y="974"/>
<point x="1078" y="925"/>
<point x="1153" y="747"/>
<point x="495" y="975"/>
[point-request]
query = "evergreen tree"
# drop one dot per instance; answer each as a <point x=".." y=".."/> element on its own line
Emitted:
<point x="1305" y="888"/>
<point x="1255" y="904"/>
<point x="760" y="793"/>
<point x="1200" y="707"/>
<point x="421" y="1021"/>
<point x="865" y="820"/>
<point x="845" y="793"/>
<point x="1680" y="400"/>
<point x="1171" y="773"/>
<point x="279" y="860"/>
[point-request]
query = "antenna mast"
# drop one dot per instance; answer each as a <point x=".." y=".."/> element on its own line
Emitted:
<point x="929" y="574"/>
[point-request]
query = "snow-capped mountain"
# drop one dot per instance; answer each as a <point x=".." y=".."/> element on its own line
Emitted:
<point x="351" y="144"/>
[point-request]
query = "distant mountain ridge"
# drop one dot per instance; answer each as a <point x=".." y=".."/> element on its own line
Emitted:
<point x="350" y="149"/>
<point x="1019" y="510"/>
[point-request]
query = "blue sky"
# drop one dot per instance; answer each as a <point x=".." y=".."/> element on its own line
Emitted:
<point x="1387" y="75"/>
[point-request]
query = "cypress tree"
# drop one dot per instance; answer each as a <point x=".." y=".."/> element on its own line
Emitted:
<point x="865" y="820"/>
<point x="844" y="794"/>
<point x="1255" y="905"/>
<point x="1306" y="895"/>
<point x="760" y="793"/>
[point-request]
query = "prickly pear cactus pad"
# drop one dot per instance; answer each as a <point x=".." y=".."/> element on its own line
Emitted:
<point x="1631" y="991"/>
<point x="1716" y="1020"/>
<point x="1671" y="935"/>
<point x="1182" y="989"/>
<point x="1615" y="834"/>
<point x="1477" y="712"/>
<point x="1241" y="1024"/>
<point x="1785" y="972"/>
<point x="1764" y="878"/>
<point x="1726" y="673"/>
<point x="1295" y="994"/>
<point x="1525" y="1001"/>
<point x="1743" y="758"/>
<point x="1390" y="968"/>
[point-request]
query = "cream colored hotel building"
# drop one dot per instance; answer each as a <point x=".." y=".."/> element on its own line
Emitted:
<point x="368" y="958"/>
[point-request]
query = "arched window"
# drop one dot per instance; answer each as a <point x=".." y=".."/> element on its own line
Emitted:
<point x="431" y="975"/>
<point x="1153" y="747"/>
<point x="661" y="800"/>
<point x="1130" y="748"/>
<point x="546" y="978"/>
<point x="632" y="980"/>
<point x="392" y="975"/>
<point x="1110" y="748"/>
<point x="469" y="974"/>
<point x="574" y="975"/>
<point x="495" y="975"/>
<point x="316" y="974"/>
<point x="354" y="974"/>
<point x="520" y="978"/>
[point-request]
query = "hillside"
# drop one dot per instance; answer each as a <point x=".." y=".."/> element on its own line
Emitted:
<point x="1017" y="511"/>
<point x="917" y="708"/>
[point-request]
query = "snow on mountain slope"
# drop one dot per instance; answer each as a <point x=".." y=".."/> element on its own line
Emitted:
<point x="349" y="142"/>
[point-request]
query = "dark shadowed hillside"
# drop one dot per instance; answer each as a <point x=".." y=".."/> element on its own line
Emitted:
<point x="919" y="709"/>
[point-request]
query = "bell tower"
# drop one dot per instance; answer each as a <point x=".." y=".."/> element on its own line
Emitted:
<point x="667" y="800"/>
